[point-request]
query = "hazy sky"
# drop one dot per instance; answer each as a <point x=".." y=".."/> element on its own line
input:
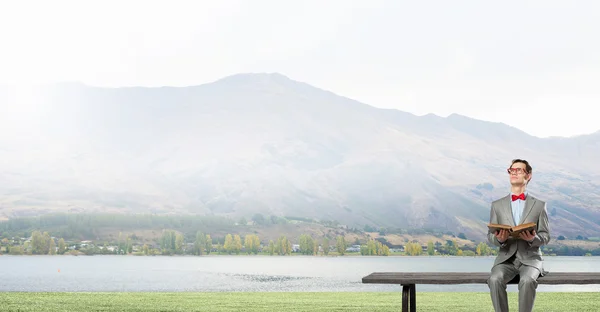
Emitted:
<point x="534" y="65"/>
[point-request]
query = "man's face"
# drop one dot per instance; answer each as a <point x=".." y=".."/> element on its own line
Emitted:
<point x="518" y="175"/>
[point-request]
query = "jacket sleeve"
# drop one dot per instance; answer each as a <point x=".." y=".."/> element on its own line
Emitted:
<point x="542" y="235"/>
<point x="491" y="236"/>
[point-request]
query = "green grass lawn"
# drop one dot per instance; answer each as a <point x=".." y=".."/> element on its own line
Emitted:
<point x="283" y="301"/>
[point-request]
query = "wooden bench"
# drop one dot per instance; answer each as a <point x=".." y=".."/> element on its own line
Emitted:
<point x="408" y="280"/>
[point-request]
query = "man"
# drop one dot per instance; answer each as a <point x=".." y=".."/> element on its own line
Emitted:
<point x="521" y="255"/>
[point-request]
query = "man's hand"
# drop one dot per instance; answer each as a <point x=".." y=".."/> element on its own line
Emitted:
<point x="502" y="235"/>
<point x="527" y="236"/>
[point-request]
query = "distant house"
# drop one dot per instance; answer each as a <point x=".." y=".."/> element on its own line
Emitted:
<point x="353" y="248"/>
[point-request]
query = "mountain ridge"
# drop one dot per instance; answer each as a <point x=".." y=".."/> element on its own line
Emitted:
<point x="249" y="76"/>
<point x="268" y="144"/>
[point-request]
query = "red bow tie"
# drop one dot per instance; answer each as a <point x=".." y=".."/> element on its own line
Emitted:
<point x="521" y="197"/>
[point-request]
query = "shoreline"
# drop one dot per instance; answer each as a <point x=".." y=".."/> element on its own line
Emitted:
<point x="291" y="255"/>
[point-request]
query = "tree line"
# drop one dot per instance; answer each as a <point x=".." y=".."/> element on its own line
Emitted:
<point x="450" y="248"/>
<point x="40" y="244"/>
<point x="184" y="228"/>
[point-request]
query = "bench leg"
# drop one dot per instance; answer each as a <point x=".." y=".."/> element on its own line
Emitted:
<point x="413" y="298"/>
<point x="409" y="297"/>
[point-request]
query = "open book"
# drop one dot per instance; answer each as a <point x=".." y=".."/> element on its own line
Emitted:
<point x="513" y="230"/>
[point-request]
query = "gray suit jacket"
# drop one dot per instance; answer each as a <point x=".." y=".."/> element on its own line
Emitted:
<point x="527" y="253"/>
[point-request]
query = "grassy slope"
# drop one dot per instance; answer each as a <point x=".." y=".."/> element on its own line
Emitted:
<point x="336" y="301"/>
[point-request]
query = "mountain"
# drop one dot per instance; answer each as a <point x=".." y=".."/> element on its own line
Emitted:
<point x="264" y="143"/>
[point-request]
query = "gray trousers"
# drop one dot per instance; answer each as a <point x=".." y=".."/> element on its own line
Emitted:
<point x="502" y="274"/>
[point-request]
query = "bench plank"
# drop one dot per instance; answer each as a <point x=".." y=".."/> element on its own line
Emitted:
<point x="407" y="278"/>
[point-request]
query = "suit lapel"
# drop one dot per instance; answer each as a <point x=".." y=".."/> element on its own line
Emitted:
<point x="508" y="209"/>
<point x="529" y="202"/>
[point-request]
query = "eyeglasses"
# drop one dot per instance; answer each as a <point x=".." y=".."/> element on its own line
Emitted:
<point x="516" y="170"/>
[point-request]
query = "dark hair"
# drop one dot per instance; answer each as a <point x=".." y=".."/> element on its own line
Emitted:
<point x="527" y="166"/>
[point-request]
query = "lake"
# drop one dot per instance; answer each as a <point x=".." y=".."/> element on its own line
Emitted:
<point x="248" y="273"/>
